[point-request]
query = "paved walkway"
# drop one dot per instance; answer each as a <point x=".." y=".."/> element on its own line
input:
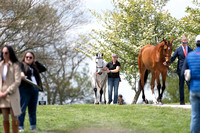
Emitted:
<point x="174" y="106"/>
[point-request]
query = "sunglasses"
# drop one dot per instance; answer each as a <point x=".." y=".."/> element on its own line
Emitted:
<point x="29" y="57"/>
<point x="185" y="42"/>
<point x="5" y="53"/>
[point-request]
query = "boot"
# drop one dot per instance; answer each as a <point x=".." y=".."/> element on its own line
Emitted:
<point x="15" y="126"/>
<point x="6" y="126"/>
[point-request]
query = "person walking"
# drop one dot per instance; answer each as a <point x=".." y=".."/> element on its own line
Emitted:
<point x="31" y="70"/>
<point x="112" y="68"/>
<point x="10" y="80"/>
<point x="181" y="52"/>
<point x="193" y="63"/>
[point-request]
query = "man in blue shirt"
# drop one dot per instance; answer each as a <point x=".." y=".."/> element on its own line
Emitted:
<point x="181" y="52"/>
<point x="193" y="63"/>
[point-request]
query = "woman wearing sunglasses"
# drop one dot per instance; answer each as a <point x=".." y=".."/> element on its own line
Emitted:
<point x="31" y="70"/>
<point x="10" y="80"/>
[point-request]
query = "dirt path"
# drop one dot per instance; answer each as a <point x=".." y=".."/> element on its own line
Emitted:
<point x="175" y="106"/>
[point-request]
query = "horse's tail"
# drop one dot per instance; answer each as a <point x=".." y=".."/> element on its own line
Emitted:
<point x="145" y="79"/>
<point x="140" y="65"/>
<point x="146" y="76"/>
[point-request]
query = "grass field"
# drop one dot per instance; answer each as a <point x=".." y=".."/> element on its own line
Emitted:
<point x="110" y="119"/>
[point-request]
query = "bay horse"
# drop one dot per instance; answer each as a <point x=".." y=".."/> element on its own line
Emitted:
<point x="151" y="58"/>
<point x="98" y="78"/>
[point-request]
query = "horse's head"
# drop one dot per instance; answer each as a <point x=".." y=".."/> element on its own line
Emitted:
<point x="99" y="63"/>
<point x="167" y="51"/>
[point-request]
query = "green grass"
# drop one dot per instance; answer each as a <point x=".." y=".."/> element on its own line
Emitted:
<point x="110" y="118"/>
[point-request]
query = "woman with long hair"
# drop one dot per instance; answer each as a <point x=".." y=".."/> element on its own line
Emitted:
<point x="31" y="70"/>
<point x="10" y="79"/>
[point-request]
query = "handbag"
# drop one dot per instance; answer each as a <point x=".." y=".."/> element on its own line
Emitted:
<point x="187" y="74"/>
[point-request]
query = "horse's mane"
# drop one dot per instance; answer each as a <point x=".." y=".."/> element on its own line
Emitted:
<point x="159" y="42"/>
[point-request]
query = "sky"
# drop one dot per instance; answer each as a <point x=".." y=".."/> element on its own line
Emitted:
<point x="175" y="7"/>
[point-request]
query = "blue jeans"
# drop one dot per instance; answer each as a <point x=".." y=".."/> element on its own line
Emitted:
<point x="113" y="82"/>
<point x="28" y="98"/>
<point x="195" y="111"/>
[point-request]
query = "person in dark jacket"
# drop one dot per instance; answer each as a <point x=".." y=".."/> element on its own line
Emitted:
<point x="181" y="52"/>
<point x="31" y="70"/>
<point x="193" y="63"/>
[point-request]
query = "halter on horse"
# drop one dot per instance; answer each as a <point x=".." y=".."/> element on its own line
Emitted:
<point x="98" y="80"/>
<point x="151" y="58"/>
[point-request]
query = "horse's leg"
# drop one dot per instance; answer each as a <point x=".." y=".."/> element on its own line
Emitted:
<point x="104" y="93"/>
<point x="142" y="88"/>
<point x="164" y="75"/>
<point x="141" y="82"/>
<point x="101" y="92"/>
<point x="95" y="92"/>
<point x="153" y="85"/>
<point x="143" y="71"/>
<point x="158" y="85"/>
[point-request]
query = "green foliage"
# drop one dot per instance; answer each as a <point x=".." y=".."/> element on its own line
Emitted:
<point x="110" y="118"/>
<point x="172" y="90"/>
<point x="135" y="23"/>
<point x="189" y="26"/>
<point x="129" y="26"/>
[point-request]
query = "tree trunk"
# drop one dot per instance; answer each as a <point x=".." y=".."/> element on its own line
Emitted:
<point x="137" y="94"/>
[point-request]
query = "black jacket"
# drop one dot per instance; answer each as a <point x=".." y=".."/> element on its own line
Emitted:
<point x="37" y="69"/>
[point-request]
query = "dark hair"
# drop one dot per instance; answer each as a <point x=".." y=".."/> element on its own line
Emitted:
<point x="23" y="59"/>
<point x="120" y="95"/>
<point x="13" y="57"/>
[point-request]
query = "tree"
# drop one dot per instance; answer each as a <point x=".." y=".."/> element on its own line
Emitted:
<point x="65" y="83"/>
<point x="172" y="92"/>
<point x="27" y="24"/>
<point x="189" y="26"/>
<point x="45" y="27"/>
<point x="128" y="27"/>
<point x="60" y="79"/>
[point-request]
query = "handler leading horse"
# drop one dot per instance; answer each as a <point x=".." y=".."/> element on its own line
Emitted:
<point x="151" y="58"/>
<point x="99" y="80"/>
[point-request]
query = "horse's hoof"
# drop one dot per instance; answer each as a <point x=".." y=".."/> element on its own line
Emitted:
<point x="160" y="103"/>
<point x="104" y="102"/>
<point x="144" y="102"/>
<point x="96" y="103"/>
<point x="155" y="102"/>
